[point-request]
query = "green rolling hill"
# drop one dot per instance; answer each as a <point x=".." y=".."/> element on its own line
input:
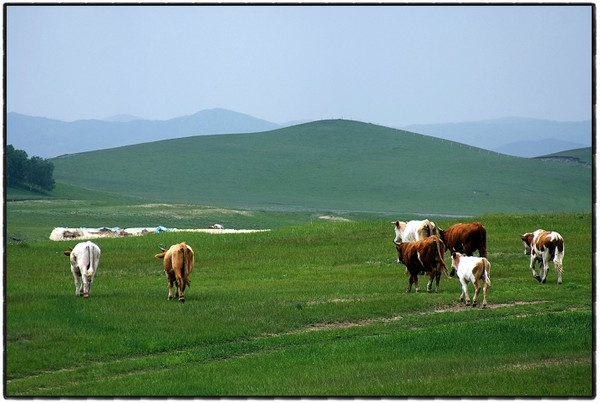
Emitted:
<point x="332" y="165"/>
<point x="576" y="156"/>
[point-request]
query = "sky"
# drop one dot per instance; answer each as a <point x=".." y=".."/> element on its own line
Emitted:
<point x="391" y="65"/>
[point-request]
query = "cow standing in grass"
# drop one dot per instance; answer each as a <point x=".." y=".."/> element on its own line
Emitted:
<point x="84" y="257"/>
<point x="544" y="246"/>
<point x="178" y="262"/>
<point x="465" y="238"/>
<point x="413" y="230"/>
<point x="471" y="269"/>
<point x="426" y="255"/>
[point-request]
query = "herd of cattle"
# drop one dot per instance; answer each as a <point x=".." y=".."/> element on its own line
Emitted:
<point x="421" y="247"/>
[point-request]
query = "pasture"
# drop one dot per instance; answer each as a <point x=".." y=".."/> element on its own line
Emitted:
<point x="303" y="310"/>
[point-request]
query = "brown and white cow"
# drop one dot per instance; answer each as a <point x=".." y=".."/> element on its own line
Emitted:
<point x="414" y="230"/>
<point x="465" y="238"/>
<point x="471" y="269"/>
<point x="426" y="255"/>
<point x="178" y="262"/>
<point x="544" y="246"/>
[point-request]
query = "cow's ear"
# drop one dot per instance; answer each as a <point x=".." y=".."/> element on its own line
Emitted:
<point x="160" y="255"/>
<point x="67" y="253"/>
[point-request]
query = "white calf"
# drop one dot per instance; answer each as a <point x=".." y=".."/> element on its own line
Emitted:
<point x="471" y="269"/>
<point x="85" y="257"/>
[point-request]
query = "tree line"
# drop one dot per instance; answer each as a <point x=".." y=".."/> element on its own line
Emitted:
<point x="36" y="173"/>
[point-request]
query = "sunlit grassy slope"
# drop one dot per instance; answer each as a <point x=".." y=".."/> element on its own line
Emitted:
<point x="332" y="165"/>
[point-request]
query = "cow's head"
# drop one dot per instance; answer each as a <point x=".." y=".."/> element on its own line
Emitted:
<point x="399" y="247"/>
<point x="527" y="241"/>
<point x="161" y="255"/>
<point x="68" y="252"/>
<point x="399" y="227"/>
<point x="433" y="229"/>
<point x="455" y="261"/>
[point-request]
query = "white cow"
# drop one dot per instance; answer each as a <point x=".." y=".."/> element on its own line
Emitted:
<point x="471" y="269"/>
<point x="85" y="257"/>
<point x="412" y="231"/>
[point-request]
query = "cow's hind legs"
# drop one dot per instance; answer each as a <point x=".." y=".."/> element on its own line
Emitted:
<point x="559" y="270"/>
<point x="87" y="286"/>
<point x="180" y="282"/>
<point x="477" y="291"/>
<point x="170" y="278"/>
<point x="437" y="283"/>
<point x="413" y="279"/>
<point x="180" y="294"/>
<point x="430" y="282"/>
<point x="532" y="262"/>
<point x="485" y="290"/>
<point x="78" y="283"/>
<point x="543" y="273"/>
<point x="465" y="293"/>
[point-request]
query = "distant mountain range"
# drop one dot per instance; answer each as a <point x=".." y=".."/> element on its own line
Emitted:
<point x="520" y="137"/>
<point x="49" y="138"/>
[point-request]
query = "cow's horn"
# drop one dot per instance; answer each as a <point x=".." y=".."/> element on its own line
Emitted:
<point x="162" y="247"/>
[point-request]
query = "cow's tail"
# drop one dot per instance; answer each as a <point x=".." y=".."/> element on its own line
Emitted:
<point x="483" y="234"/>
<point x="440" y="250"/>
<point x="486" y="271"/>
<point x="559" y="253"/>
<point x="89" y="271"/>
<point x="186" y="264"/>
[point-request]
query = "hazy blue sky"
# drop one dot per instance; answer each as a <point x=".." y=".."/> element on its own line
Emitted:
<point x="391" y="65"/>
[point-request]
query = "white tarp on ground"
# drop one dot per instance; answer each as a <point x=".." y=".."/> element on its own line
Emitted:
<point x="62" y="233"/>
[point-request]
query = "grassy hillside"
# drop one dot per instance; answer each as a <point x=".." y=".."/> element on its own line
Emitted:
<point x="332" y="165"/>
<point x="579" y="155"/>
<point x="311" y="310"/>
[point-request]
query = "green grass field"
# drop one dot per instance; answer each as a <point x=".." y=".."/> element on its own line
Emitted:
<point x="306" y="309"/>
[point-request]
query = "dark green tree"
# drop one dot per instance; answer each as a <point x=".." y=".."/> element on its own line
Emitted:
<point x="40" y="174"/>
<point x="17" y="164"/>
<point x="34" y="172"/>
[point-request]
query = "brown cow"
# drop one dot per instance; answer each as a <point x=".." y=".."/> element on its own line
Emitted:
<point x="426" y="255"/>
<point x="178" y="262"/>
<point x="465" y="238"/>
